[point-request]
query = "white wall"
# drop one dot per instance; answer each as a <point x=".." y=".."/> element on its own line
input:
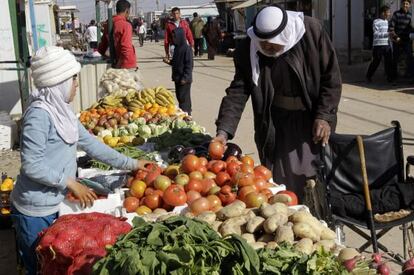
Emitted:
<point x="340" y="24"/>
<point x="9" y="88"/>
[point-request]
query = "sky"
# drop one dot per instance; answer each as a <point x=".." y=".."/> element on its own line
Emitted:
<point x="87" y="7"/>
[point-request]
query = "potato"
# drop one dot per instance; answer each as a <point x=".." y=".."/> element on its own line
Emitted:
<point x="272" y="245"/>
<point x="282" y="198"/>
<point x="249" y="238"/>
<point x="304" y="230"/>
<point x="208" y="217"/>
<point x="258" y="245"/>
<point x="306" y="217"/>
<point x="255" y="224"/>
<point x="328" y="234"/>
<point x="249" y="214"/>
<point x="284" y="233"/>
<point x="268" y="210"/>
<point x="328" y="245"/>
<point x="166" y="216"/>
<point x="347" y="254"/>
<point x="304" y="245"/>
<point x="266" y="238"/>
<point x="273" y="222"/>
<point x="232" y="226"/>
<point x="232" y="210"/>
<point x="189" y="215"/>
<point x="159" y="211"/>
<point x="216" y="225"/>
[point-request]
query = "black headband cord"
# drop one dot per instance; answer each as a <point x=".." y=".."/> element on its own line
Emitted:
<point x="278" y="30"/>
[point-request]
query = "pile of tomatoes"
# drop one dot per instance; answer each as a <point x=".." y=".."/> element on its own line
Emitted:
<point x="202" y="184"/>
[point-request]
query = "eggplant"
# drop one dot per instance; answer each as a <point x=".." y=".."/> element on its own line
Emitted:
<point x="232" y="150"/>
<point x="188" y="151"/>
<point x="175" y="153"/>
<point x="201" y="151"/>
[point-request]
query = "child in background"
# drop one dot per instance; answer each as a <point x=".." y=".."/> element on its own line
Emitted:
<point x="182" y="69"/>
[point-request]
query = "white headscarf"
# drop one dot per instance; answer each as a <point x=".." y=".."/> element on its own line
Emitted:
<point x="267" y="20"/>
<point x="55" y="100"/>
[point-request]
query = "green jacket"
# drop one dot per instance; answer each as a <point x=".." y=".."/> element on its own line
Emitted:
<point x="196" y="26"/>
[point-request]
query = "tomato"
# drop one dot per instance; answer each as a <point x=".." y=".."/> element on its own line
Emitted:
<point x="261" y="170"/>
<point x="245" y="168"/>
<point x="243" y="179"/>
<point x="216" y="150"/>
<point x="267" y="192"/>
<point x="214" y="201"/>
<point x="232" y="159"/>
<point x="196" y="175"/>
<point x="247" y="160"/>
<point x="151" y="176"/>
<point x="209" y="175"/>
<point x="129" y="181"/>
<point x="149" y="191"/>
<point x="158" y="192"/>
<point x="254" y="199"/>
<point x="143" y="210"/>
<point x="260" y="183"/>
<point x="203" y="161"/>
<point x="226" y="189"/>
<point x="227" y="198"/>
<point x="167" y="207"/>
<point x="192" y="196"/>
<point x="152" y="167"/>
<point x="199" y="206"/>
<point x="207" y="185"/>
<point x="152" y="201"/>
<point x="218" y="166"/>
<point x="210" y="164"/>
<point x="162" y="182"/>
<point x="174" y="195"/>
<point x="137" y="188"/>
<point x="242" y="193"/>
<point x="292" y="195"/>
<point x="232" y="168"/>
<point x="202" y="169"/>
<point x="195" y="185"/>
<point x="182" y="179"/>
<point x="190" y="163"/>
<point x="222" y="178"/>
<point x="140" y="174"/>
<point x="214" y="190"/>
<point x="131" y="204"/>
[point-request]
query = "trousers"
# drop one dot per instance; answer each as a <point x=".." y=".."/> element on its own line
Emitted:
<point x="182" y="91"/>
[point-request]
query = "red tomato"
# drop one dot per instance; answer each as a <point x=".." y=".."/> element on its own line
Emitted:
<point x="243" y="179"/>
<point x="216" y="150"/>
<point x="232" y="159"/>
<point x="245" y="168"/>
<point x="267" y="192"/>
<point x="261" y="170"/>
<point x="254" y="199"/>
<point x="190" y="163"/>
<point x="196" y="175"/>
<point x="140" y="175"/>
<point x="131" y="204"/>
<point x="174" y="195"/>
<point x="232" y="168"/>
<point x="260" y="183"/>
<point x="226" y="189"/>
<point x="203" y="161"/>
<point x="192" y="196"/>
<point x="214" y="201"/>
<point x="151" y="176"/>
<point x="149" y="191"/>
<point x="209" y="175"/>
<point x="167" y="207"/>
<point x="242" y="193"/>
<point x="152" y="201"/>
<point x="207" y="185"/>
<point x="227" y="198"/>
<point x="202" y="169"/>
<point x="292" y="195"/>
<point x="222" y="178"/>
<point x="218" y="166"/>
<point x="199" y="206"/>
<point x="247" y="160"/>
<point x="195" y="185"/>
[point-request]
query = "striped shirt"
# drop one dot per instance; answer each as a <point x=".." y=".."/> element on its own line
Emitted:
<point x="401" y="24"/>
<point x="380" y="27"/>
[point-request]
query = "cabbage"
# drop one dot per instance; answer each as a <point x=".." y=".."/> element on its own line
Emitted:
<point x="178" y="124"/>
<point x="123" y="132"/>
<point x="105" y="133"/>
<point x="144" y="131"/>
<point x="132" y="128"/>
<point x="140" y="121"/>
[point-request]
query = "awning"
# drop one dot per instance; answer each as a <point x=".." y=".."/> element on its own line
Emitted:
<point x="246" y="4"/>
<point x="227" y="1"/>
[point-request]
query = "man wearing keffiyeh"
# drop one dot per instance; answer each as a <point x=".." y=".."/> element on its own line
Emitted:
<point x="289" y="68"/>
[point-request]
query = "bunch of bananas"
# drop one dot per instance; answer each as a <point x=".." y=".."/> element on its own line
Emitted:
<point x="159" y="95"/>
<point x="108" y="102"/>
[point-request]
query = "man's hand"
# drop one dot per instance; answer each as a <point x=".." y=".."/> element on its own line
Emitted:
<point x="321" y="131"/>
<point x="220" y="138"/>
<point x="84" y="194"/>
<point x="141" y="164"/>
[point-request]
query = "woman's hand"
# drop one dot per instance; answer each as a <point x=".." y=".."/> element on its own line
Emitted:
<point x="84" y="194"/>
<point x="141" y="164"/>
<point x="321" y="131"/>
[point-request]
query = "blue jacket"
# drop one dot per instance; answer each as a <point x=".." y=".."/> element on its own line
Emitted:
<point x="47" y="162"/>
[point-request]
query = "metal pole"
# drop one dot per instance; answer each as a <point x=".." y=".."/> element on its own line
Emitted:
<point x="349" y="33"/>
<point x="33" y="24"/>
<point x="98" y="19"/>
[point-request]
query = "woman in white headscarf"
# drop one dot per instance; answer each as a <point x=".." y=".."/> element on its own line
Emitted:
<point x="289" y="68"/>
<point x="51" y="134"/>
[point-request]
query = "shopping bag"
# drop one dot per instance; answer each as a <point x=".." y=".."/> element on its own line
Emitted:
<point x="204" y="46"/>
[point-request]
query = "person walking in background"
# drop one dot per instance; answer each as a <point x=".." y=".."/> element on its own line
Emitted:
<point x="176" y="22"/>
<point x="91" y="35"/>
<point x="212" y="33"/>
<point x="182" y="69"/>
<point x="400" y="27"/>
<point x="142" y="31"/>
<point x="197" y="25"/>
<point x="125" y="57"/>
<point x="381" y="45"/>
<point x="155" y="27"/>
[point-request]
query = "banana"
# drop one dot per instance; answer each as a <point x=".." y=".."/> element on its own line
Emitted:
<point x="164" y="100"/>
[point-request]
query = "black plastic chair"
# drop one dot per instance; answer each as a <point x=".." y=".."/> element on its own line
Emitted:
<point x="341" y="171"/>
